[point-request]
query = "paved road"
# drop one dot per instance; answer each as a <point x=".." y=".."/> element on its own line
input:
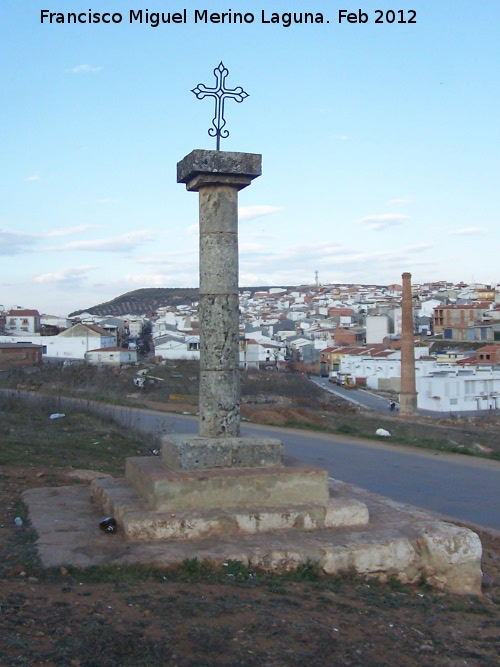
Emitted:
<point x="357" y="396"/>
<point x="460" y="487"/>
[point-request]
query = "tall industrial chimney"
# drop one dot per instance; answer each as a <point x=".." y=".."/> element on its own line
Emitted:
<point x="408" y="394"/>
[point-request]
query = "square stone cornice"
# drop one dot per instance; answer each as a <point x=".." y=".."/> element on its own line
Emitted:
<point x="204" y="168"/>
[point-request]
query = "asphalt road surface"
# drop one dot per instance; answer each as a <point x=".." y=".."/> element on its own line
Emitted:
<point x="357" y="396"/>
<point x="459" y="487"/>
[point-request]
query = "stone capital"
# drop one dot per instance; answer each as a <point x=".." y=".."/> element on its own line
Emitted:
<point x="211" y="168"/>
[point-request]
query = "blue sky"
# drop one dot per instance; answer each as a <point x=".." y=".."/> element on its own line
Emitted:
<point x="380" y="146"/>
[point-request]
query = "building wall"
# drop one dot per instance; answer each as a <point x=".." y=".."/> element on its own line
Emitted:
<point x="459" y="391"/>
<point x="469" y="334"/>
<point x="20" y="355"/>
<point x="489" y="355"/>
<point x="451" y="316"/>
<point x="347" y="337"/>
<point x="21" y="325"/>
<point x="113" y="357"/>
<point x="62" y="347"/>
<point x="377" y="328"/>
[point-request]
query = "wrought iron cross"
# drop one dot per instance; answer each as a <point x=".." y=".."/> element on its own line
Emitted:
<point x="220" y="93"/>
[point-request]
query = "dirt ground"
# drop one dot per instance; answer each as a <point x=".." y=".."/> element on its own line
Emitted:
<point x="133" y="617"/>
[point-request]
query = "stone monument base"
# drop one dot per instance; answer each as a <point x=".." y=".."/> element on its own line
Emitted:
<point x="399" y="541"/>
<point x="204" y="487"/>
<point x="116" y="498"/>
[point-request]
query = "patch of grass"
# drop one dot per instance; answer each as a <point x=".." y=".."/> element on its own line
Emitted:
<point x="30" y="436"/>
<point x="308" y="571"/>
<point x="115" y="574"/>
<point x="306" y="426"/>
<point x="210" y="639"/>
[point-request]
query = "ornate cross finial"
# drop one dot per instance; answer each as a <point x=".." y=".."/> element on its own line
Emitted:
<point x="220" y="93"/>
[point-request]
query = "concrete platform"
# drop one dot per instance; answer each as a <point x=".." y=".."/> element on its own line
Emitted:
<point x="162" y="488"/>
<point x="399" y="541"/>
<point x="118" y="499"/>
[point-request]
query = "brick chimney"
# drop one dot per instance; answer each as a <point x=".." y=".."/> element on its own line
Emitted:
<point x="408" y="394"/>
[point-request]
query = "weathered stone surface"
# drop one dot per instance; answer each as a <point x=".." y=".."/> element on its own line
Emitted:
<point x="219" y="163"/>
<point x="148" y="526"/>
<point x="119" y="500"/>
<point x="219" y="269"/>
<point x="450" y="554"/>
<point x="219" y="345"/>
<point x="218" y="176"/>
<point x="166" y="489"/>
<point x="218" y="210"/>
<point x="220" y="403"/>
<point x="182" y="452"/>
<point x="399" y="540"/>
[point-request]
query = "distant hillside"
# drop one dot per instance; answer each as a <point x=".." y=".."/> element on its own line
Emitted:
<point x="149" y="299"/>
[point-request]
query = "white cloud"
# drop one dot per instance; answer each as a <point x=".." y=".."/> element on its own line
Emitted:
<point x="14" y="243"/>
<point x="398" y="200"/>
<point x="65" y="277"/>
<point x="68" y="231"/>
<point x="468" y="231"/>
<point x="419" y="247"/>
<point x="383" y="221"/>
<point x="251" y="212"/>
<point x="33" y="178"/>
<point x="84" y="68"/>
<point x="122" y="243"/>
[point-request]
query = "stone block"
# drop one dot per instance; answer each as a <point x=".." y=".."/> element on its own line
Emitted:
<point x="185" y="452"/>
<point x="223" y="165"/>
<point x="196" y="490"/>
<point x="219" y="269"/>
<point x="220" y="341"/>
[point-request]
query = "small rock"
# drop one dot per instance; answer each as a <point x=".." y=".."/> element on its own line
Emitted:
<point x="426" y="647"/>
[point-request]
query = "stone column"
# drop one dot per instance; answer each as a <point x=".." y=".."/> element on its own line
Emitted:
<point x="408" y="395"/>
<point x="218" y="176"/>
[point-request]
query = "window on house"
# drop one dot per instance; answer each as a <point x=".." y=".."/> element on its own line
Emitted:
<point x="24" y="321"/>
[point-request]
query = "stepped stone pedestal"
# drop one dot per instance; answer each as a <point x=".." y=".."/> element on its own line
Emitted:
<point x="166" y="498"/>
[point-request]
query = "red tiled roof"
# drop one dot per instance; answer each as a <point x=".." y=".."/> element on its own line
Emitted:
<point x="23" y="313"/>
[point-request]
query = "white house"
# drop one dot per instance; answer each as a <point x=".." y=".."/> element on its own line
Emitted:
<point x="22" y="322"/>
<point x="177" y="346"/>
<point x="381" y="370"/>
<point x="377" y="328"/>
<point x="256" y="353"/>
<point x="111" y="356"/>
<point x="70" y="344"/>
<point x="458" y="390"/>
